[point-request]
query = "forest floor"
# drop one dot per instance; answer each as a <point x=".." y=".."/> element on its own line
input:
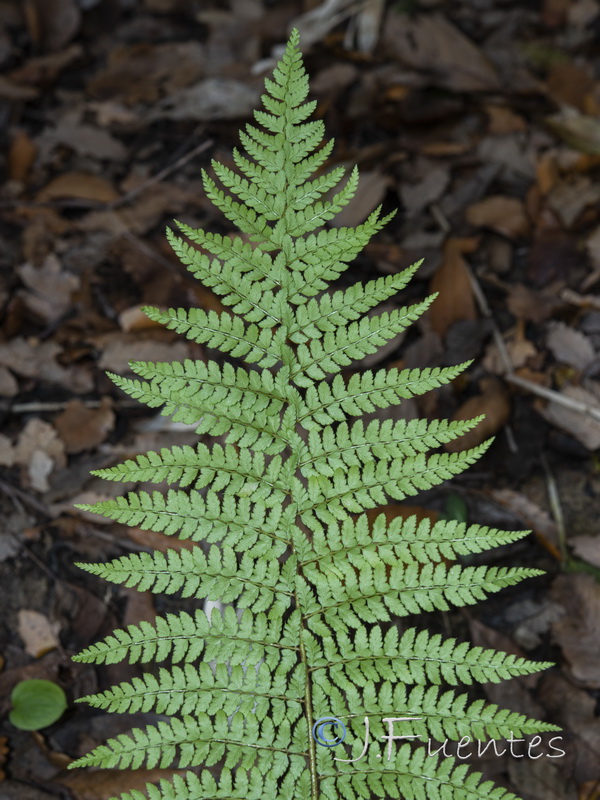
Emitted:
<point x="478" y="120"/>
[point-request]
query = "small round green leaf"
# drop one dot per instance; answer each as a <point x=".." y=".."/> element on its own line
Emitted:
<point x="36" y="704"/>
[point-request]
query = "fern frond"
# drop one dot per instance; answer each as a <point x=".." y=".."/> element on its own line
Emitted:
<point x="272" y="516"/>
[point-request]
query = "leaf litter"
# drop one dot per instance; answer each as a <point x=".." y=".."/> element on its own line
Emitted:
<point x="481" y="122"/>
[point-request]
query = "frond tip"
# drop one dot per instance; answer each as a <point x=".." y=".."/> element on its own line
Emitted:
<point x="268" y="517"/>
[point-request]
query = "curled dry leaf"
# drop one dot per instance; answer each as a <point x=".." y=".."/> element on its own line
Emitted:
<point x="578" y="633"/>
<point x="8" y="384"/>
<point x="452" y="281"/>
<point x="210" y="99"/>
<point x="430" y="188"/>
<point x="134" y="319"/>
<point x="7" y="452"/>
<point x="50" y="288"/>
<point x="494" y="403"/>
<point x="534" y="305"/>
<point x="82" y="428"/>
<point x="569" y="346"/>
<point x="579" y="131"/>
<point x="39" y="635"/>
<point x="39" y="451"/>
<point x="85" y="140"/>
<point x="568" y="199"/>
<point x="52" y="23"/>
<point x="143" y="72"/>
<point x="371" y="190"/>
<point x="21" y="156"/>
<point x="505" y="215"/>
<point x="587" y="548"/>
<point x="33" y="359"/>
<point x="79" y="185"/>
<point x="428" y="42"/>
<point x="107" y="783"/>
<point x="580" y="426"/>
<point x="119" y="350"/>
<point x="533" y="516"/>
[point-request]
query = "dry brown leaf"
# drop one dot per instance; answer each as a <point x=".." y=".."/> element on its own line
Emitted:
<point x="7" y="452"/>
<point x="530" y="304"/>
<point x="33" y="359"/>
<point x="418" y="196"/>
<point x="8" y="385"/>
<point x="10" y="90"/>
<point x="506" y="215"/>
<point x="40" y="451"/>
<point x="45" y="69"/>
<point x="119" y="350"/>
<point x="83" y="139"/>
<point x="158" y="541"/>
<point x="587" y="548"/>
<point x="501" y="120"/>
<point x="580" y="426"/>
<point x="80" y="185"/>
<point x="82" y="428"/>
<point x="533" y="516"/>
<point x="107" y="783"/>
<point x="372" y="186"/>
<point x="428" y="42"/>
<point x="592" y="246"/>
<point x="578" y="633"/>
<point x="569" y="346"/>
<point x="39" y="635"/>
<point x="394" y="510"/>
<point x="210" y="99"/>
<point x="50" y="288"/>
<point x="140" y="607"/>
<point x="133" y="319"/>
<point x="569" y="199"/>
<point x="570" y="84"/>
<point x="52" y="23"/>
<point x="494" y="403"/>
<point x="21" y="156"/>
<point x="455" y="300"/>
<point x="579" y="131"/>
<point x="145" y="71"/>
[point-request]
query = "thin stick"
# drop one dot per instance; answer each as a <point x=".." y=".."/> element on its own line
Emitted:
<point x="510" y="376"/>
<point x="556" y="506"/>
<point x="181" y="162"/>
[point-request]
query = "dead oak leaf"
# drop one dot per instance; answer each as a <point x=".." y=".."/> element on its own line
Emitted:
<point x="505" y="215"/>
<point x="578" y="633"/>
<point x="570" y="346"/>
<point x="80" y="186"/>
<point x="82" y="428"/>
<point x="40" y="452"/>
<point x="49" y="288"/>
<point x="39" y="635"/>
<point x="494" y="402"/>
<point x="452" y="282"/>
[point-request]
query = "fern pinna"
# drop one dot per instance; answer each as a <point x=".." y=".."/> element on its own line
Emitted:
<point x="311" y="586"/>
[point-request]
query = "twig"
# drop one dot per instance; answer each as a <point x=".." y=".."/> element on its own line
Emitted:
<point x="164" y="173"/>
<point x="510" y="376"/>
<point x="557" y="512"/>
<point x="516" y="380"/>
<point x="58" y="405"/>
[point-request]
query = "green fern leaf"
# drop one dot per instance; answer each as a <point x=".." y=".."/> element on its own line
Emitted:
<point x="268" y="522"/>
